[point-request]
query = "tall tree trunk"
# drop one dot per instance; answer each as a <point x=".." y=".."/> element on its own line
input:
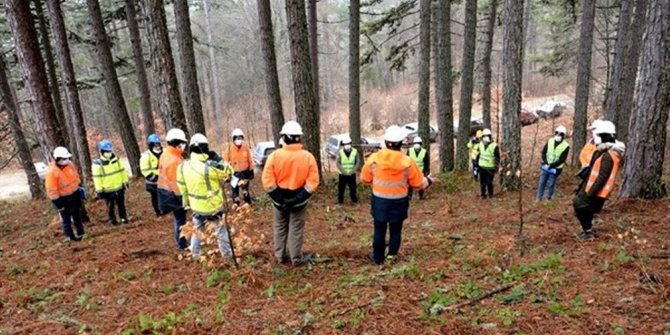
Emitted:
<point x="643" y="171"/>
<point x="444" y="86"/>
<point x="583" y="78"/>
<point x="140" y="70"/>
<point x="512" y="81"/>
<point x="270" y="61"/>
<point x="612" y="103"/>
<point x="314" y="51"/>
<point x="486" y="64"/>
<point x="424" y="72"/>
<point x="214" y="92"/>
<point x="467" y="84"/>
<point x="189" y="69"/>
<point x="355" y="71"/>
<point x="9" y="104"/>
<point x="28" y="52"/>
<point x="76" y="114"/>
<point x="165" y="68"/>
<point x="303" y="83"/>
<point x="113" y="91"/>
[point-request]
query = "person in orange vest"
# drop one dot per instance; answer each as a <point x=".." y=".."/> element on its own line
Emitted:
<point x="603" y="168"/>
<point x="169" y="196"/>
<point x="391" y="174"/>
<point x="586" y="153"/>
<point x="63" y="187"/>
<point x="290" y="178"/>
<point x="239" y="157"/>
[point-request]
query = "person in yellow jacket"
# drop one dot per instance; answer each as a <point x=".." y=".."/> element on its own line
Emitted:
<point x="348" y="163"/>
<point x="200" y="180"/>
<point x="473" y="145"/>
<point x="111" y="181"/>
<point x="149" y="167"/>
<point x="290" y="178"/>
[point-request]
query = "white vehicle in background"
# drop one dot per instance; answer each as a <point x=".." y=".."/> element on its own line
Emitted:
<point x="261" y="152"/>
<point x="412" y="130"/>
<point x="41" y="168"/>
<point x="334" y="142"/>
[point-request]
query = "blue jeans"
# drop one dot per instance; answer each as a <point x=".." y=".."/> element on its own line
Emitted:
<point x="178" y="222"/>
<point x="546" y="177"/>
<point x="223" y="239"/>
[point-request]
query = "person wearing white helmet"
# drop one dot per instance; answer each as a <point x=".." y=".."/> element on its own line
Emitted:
<point x="290" y="177"/>
<point x="63" y="187"/>
<point x="488" y="159"/>
<point x="391" y="173"/>
<point x="348" y="163"/>
<point x="239" y="156"/>
<point x="554" y="155"/>
<point x="419" y="155"/>
<point x="169" y="196"/>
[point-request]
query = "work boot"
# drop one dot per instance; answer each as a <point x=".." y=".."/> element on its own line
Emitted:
<point x="371" y="258"/>
<point x="302" y="260"/>
<point x="586" y="235"/>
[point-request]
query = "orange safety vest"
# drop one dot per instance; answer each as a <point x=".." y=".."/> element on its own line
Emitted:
<point x="167" y="169"/>
<point x="61" y="182"/>
<point x="392" y="174"/>
<point x="238" y="158"/>
<point x="586" y="154"/>
<point x="595" y="171"/>
<point x="291" y="168"/>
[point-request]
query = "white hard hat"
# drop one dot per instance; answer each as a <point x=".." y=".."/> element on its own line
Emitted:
<point x="198" y="138"/>
<point x="417" y="139"/>
<point x="346" y="139"/>
<point x="561" y="130"/>
<point x="291" y="128"/>
<point x="176" y="134"/>
<point x="237" y="132"/>
<point x="595" y="124"/>
<point x="61" y="152"/>
<point x="605" y="127"/>
<point x="394" y="134"/>
<point x="486" y="132"/>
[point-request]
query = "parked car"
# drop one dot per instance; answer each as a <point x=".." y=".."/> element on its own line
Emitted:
<point x="475" y="124"/>
<point x="412" y="130"/>
<point x="41" y="169"/>
<point x="334" y="142"/>
<point x="528" y="117"/>
<point x="550" y="110"/>
<point x="261" y="152"/>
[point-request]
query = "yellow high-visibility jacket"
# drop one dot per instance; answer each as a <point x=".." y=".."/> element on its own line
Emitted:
<point x="200" y="183"/>
<point x="109" y="175"/>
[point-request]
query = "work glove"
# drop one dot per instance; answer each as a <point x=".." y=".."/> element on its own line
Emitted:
<point x="250" y="174"/>
<point x="213" y="156"/>
<point x="239" y="175"/>
<point x="301" y="197"/>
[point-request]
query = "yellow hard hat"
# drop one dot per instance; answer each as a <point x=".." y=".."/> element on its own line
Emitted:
<point x="479" y="134"/>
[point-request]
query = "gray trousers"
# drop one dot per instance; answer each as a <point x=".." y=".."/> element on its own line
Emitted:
<point x="289" y="227"/>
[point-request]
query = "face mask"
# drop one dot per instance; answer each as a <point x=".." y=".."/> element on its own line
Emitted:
<point x="182" y="146"/>
<point x="417" y="146"/>
<point x="238" y="142"/>
<point x="157" y="150"/>
<point x="347" y="147"/>
<point x="558" y="138"/>
<point x="597" y="140"/>
<point x="107" y="155"/>
<point x="486" y="139"/>
<point x="63" y="162"/>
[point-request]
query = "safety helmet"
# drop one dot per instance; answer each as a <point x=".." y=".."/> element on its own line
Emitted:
<point x="561" y="130"/>
<point x="486" y="132"/>
<point x="61" y="152"/>
<point x="176" y="134"/>
<point x="595" y="124"/>
<point x="291" y="128"/>
<point x="346" y="139"/>
<point x="198" y="138"/>
<point x="153" y="139"/>
<point x="417" y="139"/>
<point x="394" y="134"/>
<point x="237" y="132"/>
<point x="479" y="134"/>
<point x="105" y="145"/>
<point x="605" y="127"/>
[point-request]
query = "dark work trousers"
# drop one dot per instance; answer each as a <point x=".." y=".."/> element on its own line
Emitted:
<point x="585" y="214"/>
<point x="115" y="199"/>
<point x="177" y="223"/>
<point x="342" y="184"/>
<point x="71" y="214"/>
<point x="153" y="191"/>
<point x="410" y="193"/>
<point x="486" y="182"/>
<point x="379" y="239"/>
<point x="245" y="193"/>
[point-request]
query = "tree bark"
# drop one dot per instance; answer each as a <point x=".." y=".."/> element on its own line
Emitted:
<point x="314" y="51"/>
<point x="9" y="104"/>
<point x="215" y="94"/>
<point x="76" y="114"/>
<point x="32" y="65"/>
<point x="424" y="72"/>
<point x="355" y="71"/>
<point x="303" y="83"/>
<point x="512" y="81"/>
<point x="113" y="91"/>
<point x="270" y="61"/>
<point x="140" y="70"/>
<point x="467" y="84"/>
<point x="486" y="64"/>
<point x="583" y="78"/>
<point x="444" y="86"/>
<point x="643" y="171"/>
<point x="189" y="69"/>
<point x="165" y="69"/>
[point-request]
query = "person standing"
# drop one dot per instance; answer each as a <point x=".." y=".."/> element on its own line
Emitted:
<point x="111" y="181"/>
<point x="488" y="159"/>
<point x="473" y="145"/>
<point x="587" y="152"/>
<point x="554" y="154"/>
<point x="290" y="178"/>
<point x="391" y="174"/>
<point x="604" y="166"/>
<point x="348" y="163"/>
<point x="239" y="156"/>
<point x="149" y="167"/>
<point x="420" y="156"/>
<point x="63" y="187"/>
<point x="200" y="181"/>
<point x="169" y="196"/>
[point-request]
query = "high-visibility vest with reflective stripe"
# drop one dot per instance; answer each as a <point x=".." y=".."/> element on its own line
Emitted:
<point x="554" y="151"/>
<point x="348" y="163"/>
<point x="61" y="182"/>
<point x="474" y="149"/>
<point x="586" y="154"/>
<point x="391" y="174"/>
<point x="149" y="165"/>
<point x="418" y="158"/>
<point x="291" y="168"/>
<point x="108" y="175"/>
<point x="239" y="158"/>
<point x="595" y="171"/>
<point x="200" y="183"/>
<point x="487" y="158"/>
<point x="167" y="169"/>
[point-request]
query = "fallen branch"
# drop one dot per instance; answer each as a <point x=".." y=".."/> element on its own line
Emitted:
<point x="665" y="255"/>
<point x="486" y="295"/>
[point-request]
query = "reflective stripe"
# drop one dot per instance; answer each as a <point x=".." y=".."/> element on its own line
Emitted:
<point x="389" y="189"/>
<point x="388" y="196"/>
<point x="384" y="183"/>
<point x="595" y="171"/>
<point x="348" y="163"/>
<point x="107" y="174"/>
<point x="487" y="155"/>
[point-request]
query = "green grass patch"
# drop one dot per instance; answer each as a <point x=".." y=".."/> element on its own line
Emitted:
<point x="217" y="277"/>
